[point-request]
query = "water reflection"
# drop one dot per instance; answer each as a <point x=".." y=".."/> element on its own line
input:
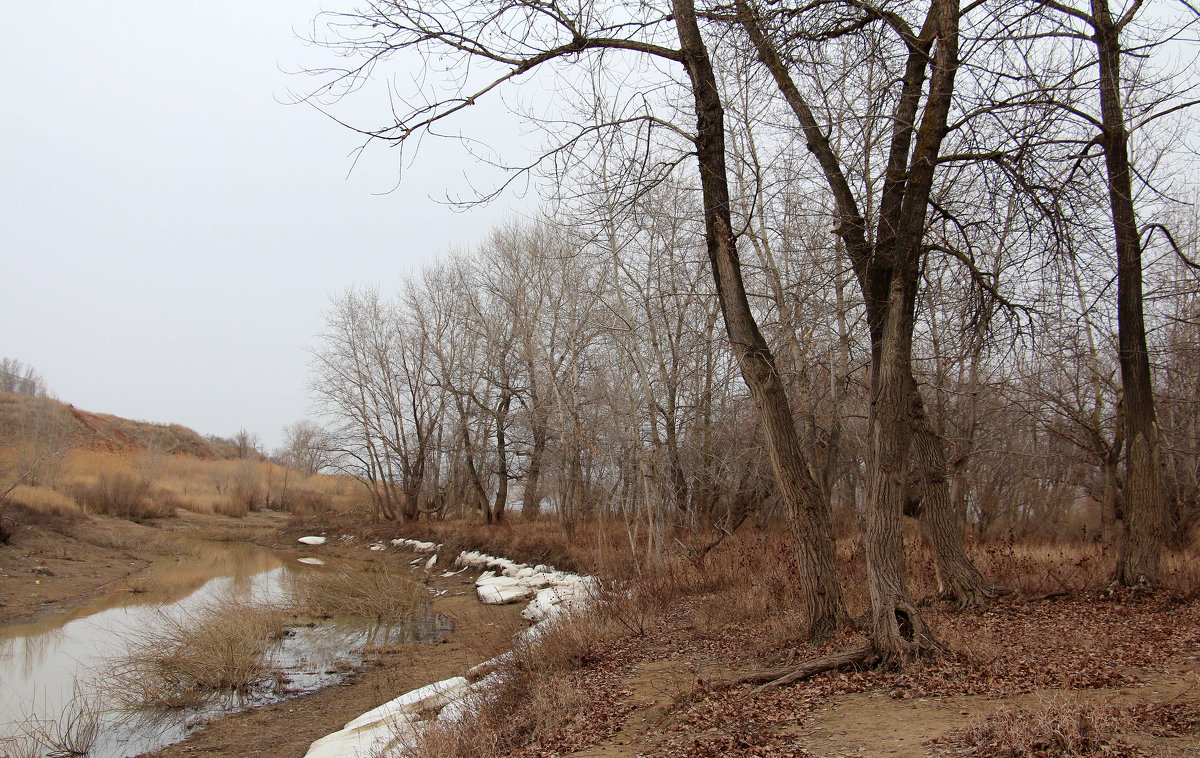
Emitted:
<point x="43" y="661"/>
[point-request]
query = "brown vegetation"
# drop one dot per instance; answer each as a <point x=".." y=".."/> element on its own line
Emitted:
<point x="187" y="658"/>
<point x="379" y="591"/>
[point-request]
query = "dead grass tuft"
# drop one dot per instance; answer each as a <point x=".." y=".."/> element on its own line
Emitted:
<point x="187" y="658"/>
<point x="381" y="592"/>
<point x="524" y="707"/>
<point x="72" y="733"/>
<point x="1059" y="727"/>
<point x="536" y="694"/>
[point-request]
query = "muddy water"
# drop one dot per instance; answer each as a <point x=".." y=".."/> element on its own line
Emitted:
<point x="46" y="662"/>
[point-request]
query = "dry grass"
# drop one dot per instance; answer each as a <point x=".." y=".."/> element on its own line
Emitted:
<point x="1057" y="727"/>
<point x="525" y="706"/>
<point x="188" y="658"/>
<point x="535" y="694"/>
<point x="140" y="486"/>
<point x="72" y="733"/>
<point x="381" y="592"/>
<point x="41" y="506"/>
<point x="122" y="495"/>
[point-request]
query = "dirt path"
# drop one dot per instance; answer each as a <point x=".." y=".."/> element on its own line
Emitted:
<point x="1127" y="679"/>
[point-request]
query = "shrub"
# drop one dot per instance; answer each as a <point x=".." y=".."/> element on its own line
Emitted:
<point x="187" y="658"/>
<point x="122" y="495"/>
<point x="381" y="592"/>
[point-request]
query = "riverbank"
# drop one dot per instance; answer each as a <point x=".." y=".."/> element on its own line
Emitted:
<point x="659" y="672"/>
<point x="49" y="567"/>
<point x="52" y="578"/>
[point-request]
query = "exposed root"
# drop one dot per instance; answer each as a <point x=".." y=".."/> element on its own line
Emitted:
<point x="858" y="659"/>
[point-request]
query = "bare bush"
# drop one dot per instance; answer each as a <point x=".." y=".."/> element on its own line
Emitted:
<point x="381" y="592"/>
<point x="122" y="495"/>
<point x="187" y="658"/>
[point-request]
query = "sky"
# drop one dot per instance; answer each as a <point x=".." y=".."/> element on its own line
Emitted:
<point x="171" y="229"/>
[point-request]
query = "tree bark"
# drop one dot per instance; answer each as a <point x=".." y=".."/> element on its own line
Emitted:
<point x="942" y="524"/>
<point x="1143" y="534"/>
<point x="876" y="265"/>
<point x="808" y="513"/>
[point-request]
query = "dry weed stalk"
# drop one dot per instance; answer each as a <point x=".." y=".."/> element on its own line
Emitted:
<point x="71" y="735"/>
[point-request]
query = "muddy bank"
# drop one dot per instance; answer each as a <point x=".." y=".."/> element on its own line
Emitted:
<point x="47" y="571"/>
<point x="49" y="577"/>
<point x="285" y="730"/>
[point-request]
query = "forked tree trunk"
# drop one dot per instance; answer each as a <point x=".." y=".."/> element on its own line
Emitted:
<point x="808" y="513"/>
<point x="1139" y="558"/>
<point x="898" y="631"/>
<point x="875" y="267"/>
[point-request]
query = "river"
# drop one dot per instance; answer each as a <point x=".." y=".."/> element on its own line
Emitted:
<point x="48" y="661"/>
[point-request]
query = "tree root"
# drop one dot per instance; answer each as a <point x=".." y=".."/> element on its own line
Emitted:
<point x="861" y="658"/>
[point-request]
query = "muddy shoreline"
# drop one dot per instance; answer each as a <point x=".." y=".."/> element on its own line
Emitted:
<point x="45" y="573"/>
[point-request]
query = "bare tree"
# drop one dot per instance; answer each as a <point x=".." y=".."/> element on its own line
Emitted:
<point x="21" y="379"/>
<point x="306" y="446"/>
<point x="512" y="41"/>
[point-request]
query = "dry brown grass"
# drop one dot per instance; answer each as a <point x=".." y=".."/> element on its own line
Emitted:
<point x="525" y="706"/>
<point x="184" y="659"/>
<point x="28" y="506"/>
<point x="146" y="485"/>
<point x="535" y="694"/>
<point x="1059" y="727"/>
<point x="122" y="495"/>
<point x="381" y="592"/>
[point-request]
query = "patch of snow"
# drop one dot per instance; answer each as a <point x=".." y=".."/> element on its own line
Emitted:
<point x="553" y="593"/>
<point x="312" y="540"/>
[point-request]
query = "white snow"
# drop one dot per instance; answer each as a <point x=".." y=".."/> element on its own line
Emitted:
<point x="312" y="540"/>
<point x="397" y="721"/>
<point x="416" y="545"/>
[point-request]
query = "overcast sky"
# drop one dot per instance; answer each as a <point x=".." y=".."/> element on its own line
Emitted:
<point x="170" y="231"/>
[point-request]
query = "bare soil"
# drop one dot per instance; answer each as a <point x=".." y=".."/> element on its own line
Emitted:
<point x="1020" y="663"/>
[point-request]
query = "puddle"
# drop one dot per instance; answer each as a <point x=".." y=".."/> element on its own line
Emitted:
<point x="44" y="661"/>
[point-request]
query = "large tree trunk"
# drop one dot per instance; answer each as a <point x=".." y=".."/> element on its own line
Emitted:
<point x="876" y="266"/>
<point x="808" y="513"/>
<point x="898" y="631"/>
<point x="1140" y="554"/>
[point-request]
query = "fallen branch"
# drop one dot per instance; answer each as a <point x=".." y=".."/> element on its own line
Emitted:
<point x="861" y="658"/>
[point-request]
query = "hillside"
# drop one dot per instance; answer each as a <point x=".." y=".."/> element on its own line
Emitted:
<point x="45" y="422"/>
